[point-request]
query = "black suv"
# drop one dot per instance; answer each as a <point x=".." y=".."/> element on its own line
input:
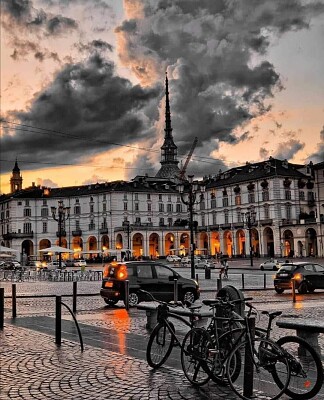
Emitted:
<point x="308" y="276"/>
<point x="151" y="276"/>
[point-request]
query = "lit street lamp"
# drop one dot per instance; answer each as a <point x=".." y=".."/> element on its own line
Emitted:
<point x="63" y="214"/>
<point x="128" y="229"/>
<point x="189" y="191"/>
<point x="250" y="218"/>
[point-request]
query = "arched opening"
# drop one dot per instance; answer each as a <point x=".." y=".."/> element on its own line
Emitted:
<point x="154" y="245"/>
<point x="228" y="243"/>
<point x="288" y="243"/>
<point x="203" y="244"/>
<point x="169" y="244"/>
<point x="27" y="248"/>
<point x="77" y="246"/>
<point x="214" y="243"/>
<point x="311" y="242"/>
<point x="138" y="241"/>
<point x="268" y="242"/>
<point x="105" y="242"/>
<point x="184" y="244"/>
<point x="119" y="242"/>
<point x="240" y="243"/>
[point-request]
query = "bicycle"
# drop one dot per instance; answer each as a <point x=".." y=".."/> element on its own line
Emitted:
<point x="242" y="356"/>
<point x="305" y="364"/>
<point x="163" y="338"/>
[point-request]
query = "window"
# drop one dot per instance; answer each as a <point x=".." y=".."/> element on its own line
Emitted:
<point x="138" y="220"/>
<point x="163" y="272"/>
<point x="287" y="194"/>
<point x="136" y="206"/>
<point x="203" y="219"/>
<point x="161" y="207"/>
<point x="44" y="212"/>
<point x="92" y="225"/>
<point x="44" y="227"/>
<point x="288" y="211"/>
<point x="104" y="207"/>
<point x="169" y="207"/>
<point x="148" y="196"/>
<point x="7" y="214"/>
<point x="125" y="206"/>
<point x="238" y="199"/>
<point x="77" y="210"/>
<point x="203" y="205"/>
<point x="178" y="208"/>
<point x="169" y="197"/>
<point x="91" y="208"/>
<point x="104" y="223"/>
<point x="144" y="271"/>
<point x="302" y="195"/>
<point x="251" y="197"/>
<point x="149" y="207"/>
<point x="265" y="195"/>
<point x="226" y="216"/>
<point x="214" y="218"/>
<point x="160" y="197"/>
<point x="125" y="196"/>
<point x="213" y="203"/>
<point x="77" y="201"/>
<point x="27" y="203"/>
<point x="44" y="202"/>
<point x="77" y="225"/>
<point x="225" y="201"/>
<point x="239" y="215"/>
<point x="161" y="223"/>
<point x="170" y="221"/>
<point x="104" y="197"/>
<point x="27" y="212"/>
<point x="27" y="227"/>
<point x="136" y="196"/>
<point x="266" y="211"/>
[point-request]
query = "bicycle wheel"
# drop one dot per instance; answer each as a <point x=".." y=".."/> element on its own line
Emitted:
<point x="159" y="345"/>
<point x="194" y="354"/>
<point x="217" y="359"/>
<point x="306" y="368"/>
<point x="255" y="379"/>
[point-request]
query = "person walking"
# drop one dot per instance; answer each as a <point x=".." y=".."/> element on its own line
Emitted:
<point x="226" y="269"/>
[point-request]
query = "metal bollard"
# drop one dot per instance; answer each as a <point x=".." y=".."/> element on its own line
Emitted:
<point x="14" y="300"/>
<point x="197" y="278"/>
<point x="127" y="294"/>
<point x="248" y="362"/>
<point x="242" y="281"/>
<point x="293" y="283"/>
<point x="264" y="281"/>
<point x="175" y="296"/>
<point x="219" y="284"/>
<point x="207" y="273"/>
<point x="74" y="304"/>
<point x="1" y="308"/>
<point x="58" y="320"/>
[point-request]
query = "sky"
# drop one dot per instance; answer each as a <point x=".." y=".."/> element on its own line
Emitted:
<point x="82" y="86"/>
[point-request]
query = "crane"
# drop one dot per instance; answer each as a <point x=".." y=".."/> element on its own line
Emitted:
<point x="184" y="168"/>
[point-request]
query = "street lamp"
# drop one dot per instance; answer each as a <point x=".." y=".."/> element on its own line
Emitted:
<point x="63" y="214"/>
<point x="128" y="230"/>
<point x="250" y="218"/>
<point x="189" y="191"/>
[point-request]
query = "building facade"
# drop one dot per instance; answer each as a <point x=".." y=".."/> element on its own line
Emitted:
<point x="147" y="216"/>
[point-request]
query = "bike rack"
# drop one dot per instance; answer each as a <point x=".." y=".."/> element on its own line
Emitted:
<point x="58" y="321"/>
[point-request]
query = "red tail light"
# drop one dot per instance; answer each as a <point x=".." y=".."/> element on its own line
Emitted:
<point x="122" y="272"/>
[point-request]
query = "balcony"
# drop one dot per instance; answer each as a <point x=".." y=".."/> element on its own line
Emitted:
<point x="103" y="231"/>
<point x="267" y="221"/>
<point x="225" y="226"/>
<point x="14" y="235"/>
<point x="285" y="222"/>
<point x="238" y="225"/>
<point x="78" y="232"/>
<point x="63" y="233"/>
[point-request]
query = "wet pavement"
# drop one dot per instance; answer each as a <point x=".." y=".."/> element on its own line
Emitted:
<point x="113" y="364"/>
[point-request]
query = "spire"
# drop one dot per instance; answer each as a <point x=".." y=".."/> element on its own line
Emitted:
<point x="169" y="161"/>
<point x="167" y="129"/>
<point x="16" y="168"/>
<point x="16" y="179"/>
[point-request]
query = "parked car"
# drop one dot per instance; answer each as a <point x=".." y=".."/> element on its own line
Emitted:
<point x="12" y="266"/>
<point x="308" y="276"/>
<point x="272" y="265"/>
<point x="54" y="265"/>
<point x="187" y="260"/>
<point x="173" y="258"/>
<point x="205" y="265"/>
<point x="80" y="263"/>
<point x="151" y="276"/>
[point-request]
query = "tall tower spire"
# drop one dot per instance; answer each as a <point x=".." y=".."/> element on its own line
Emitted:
<point x="169" y="162"/>
<point x="16" y="179"/>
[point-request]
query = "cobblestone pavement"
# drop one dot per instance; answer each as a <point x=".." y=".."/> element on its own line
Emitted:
<point x="33" y="367"/>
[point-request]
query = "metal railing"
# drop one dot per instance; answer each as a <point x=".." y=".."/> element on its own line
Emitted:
<point x="56" y="276"/>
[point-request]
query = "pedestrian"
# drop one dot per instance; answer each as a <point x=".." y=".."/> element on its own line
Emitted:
<point x="226" y="269"/>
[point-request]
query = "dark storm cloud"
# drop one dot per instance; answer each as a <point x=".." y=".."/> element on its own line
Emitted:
<point x="59" y="24"/>
<point x="94" y="46"/>
<point x="89" y="107"/>
<point x="319" y="155"/>
<point x="212" y="50"/>
<point x="287" y="150"/>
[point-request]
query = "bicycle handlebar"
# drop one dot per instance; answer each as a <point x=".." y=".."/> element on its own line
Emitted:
<point x="178" y="303"/>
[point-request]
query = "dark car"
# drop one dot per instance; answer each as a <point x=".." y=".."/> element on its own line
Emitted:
<point x="308" y="276"/>
<point x="151" y="276"/>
